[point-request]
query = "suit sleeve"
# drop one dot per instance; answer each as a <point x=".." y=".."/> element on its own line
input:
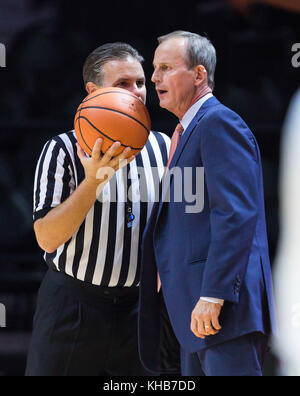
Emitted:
<point x="231" y="170"/>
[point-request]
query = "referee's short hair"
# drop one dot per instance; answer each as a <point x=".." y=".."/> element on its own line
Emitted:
<point x="93" y="65"/>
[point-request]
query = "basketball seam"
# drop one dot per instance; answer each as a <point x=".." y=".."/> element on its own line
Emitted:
<point x="102" y="133"/>
<point x="116" y="111"/>
<point x="77" y="119"/>
<point x="104" y="93"/>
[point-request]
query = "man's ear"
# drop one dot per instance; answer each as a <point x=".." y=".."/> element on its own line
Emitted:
<point x="91" y="87"/>
<point x="201" y="75"/>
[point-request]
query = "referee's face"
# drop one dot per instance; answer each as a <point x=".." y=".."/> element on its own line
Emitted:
<point x="126" y="73"/>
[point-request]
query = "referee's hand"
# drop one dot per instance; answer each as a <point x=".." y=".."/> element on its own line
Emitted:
<point x="100" y="168"/>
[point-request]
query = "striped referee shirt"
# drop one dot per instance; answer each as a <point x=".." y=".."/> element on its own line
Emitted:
<point x="105" y="250"/>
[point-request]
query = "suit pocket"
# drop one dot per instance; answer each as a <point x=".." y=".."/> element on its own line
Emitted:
<point x="197" y="261"/>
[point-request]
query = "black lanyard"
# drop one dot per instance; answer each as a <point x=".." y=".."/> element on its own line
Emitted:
<point x="128" y="205"/>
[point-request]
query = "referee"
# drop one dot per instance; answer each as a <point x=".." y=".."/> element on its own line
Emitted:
<point x="86" y="317"/>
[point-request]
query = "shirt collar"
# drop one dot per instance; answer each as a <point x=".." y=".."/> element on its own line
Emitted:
<point x="193" y="110"/>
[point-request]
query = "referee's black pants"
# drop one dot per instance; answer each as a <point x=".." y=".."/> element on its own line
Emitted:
<point x="82" y="329"/>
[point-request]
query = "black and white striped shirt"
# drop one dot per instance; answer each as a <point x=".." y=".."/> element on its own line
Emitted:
<point x="106" y="248"/>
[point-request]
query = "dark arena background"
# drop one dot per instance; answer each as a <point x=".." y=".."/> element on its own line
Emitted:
<point x="46" y="43"/>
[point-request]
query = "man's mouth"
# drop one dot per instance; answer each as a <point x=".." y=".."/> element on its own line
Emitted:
<point x="161" y="92"/>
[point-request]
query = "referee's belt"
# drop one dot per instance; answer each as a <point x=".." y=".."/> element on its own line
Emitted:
<point x="93" y="294"/>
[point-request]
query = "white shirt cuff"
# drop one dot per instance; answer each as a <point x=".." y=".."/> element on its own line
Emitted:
<point x="213" y="300"/>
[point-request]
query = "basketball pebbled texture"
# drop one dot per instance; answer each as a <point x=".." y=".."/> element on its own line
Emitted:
<point x="113" y="114"/>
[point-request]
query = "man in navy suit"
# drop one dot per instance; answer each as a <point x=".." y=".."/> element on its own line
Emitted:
<point x="213" y="263"/>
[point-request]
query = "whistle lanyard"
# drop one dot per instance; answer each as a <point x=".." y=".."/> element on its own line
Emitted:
<point x="129" y="216"/>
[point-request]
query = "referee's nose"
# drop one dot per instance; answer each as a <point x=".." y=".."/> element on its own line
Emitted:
<point x="139" y="91"/>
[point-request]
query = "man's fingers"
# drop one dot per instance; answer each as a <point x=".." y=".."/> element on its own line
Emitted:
<point x="118" y="161"/>
<point x="80" y="153"/>
<point x="96" y="153"/>
<point x="194" y="328"/>
<point x="209" y="328"/>
<point x="110" y="158"/>
<point x="126" y="161"/>
<point x="122" y="159"/>
<point x="131" y="158"/>
<point x="215" y="323"/>
<point x="200" y="327"/>
<point x="125" y="153"/>
<point x="204" y="318"/>
<point x="111" y="152"/>
<point x="122" y="163"/>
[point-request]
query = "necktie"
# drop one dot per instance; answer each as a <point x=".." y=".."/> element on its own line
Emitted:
<point x="174" y="143"/>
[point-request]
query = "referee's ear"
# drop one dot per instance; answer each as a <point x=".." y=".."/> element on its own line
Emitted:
<point x="91" y="87"/>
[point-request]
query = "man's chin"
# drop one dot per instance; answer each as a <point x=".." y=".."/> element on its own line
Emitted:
<point x="163" y="104"/>
<point x="168" y="108"/>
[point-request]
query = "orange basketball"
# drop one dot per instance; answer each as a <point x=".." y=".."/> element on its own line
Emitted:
<point x="115" y="115"/>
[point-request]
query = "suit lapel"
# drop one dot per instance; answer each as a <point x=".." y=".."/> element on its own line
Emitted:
<point x="183" y="141"/>
<point x="187" y="133"/>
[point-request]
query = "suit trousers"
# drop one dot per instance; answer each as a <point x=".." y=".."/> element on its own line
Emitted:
<point x="84" y="330"/>
<point x="242" y="356"/>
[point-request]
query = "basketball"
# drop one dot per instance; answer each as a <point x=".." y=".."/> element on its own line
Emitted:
<point x="115" y="115"/>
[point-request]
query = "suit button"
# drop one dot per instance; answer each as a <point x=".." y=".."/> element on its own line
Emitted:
<point x="237" y="284"/>
<point x="237" y="281"/>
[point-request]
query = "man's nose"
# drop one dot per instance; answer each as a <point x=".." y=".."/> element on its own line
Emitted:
<point x="155" y="77"/>
<point x="136" y="91"/>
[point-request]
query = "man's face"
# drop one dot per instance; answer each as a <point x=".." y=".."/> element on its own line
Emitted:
<point x="174" y="82"/>
<point x="127" y="74"/>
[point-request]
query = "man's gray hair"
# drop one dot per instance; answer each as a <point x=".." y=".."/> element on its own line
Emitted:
<point x="200" y="51"/>
<point x="93" y="65"/>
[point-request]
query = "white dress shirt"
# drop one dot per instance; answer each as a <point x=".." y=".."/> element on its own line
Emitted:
<point x="193" y="110"/>
<point x="185" y="122"/>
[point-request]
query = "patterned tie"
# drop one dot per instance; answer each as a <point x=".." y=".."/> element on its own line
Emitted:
<point x="174" y="143"/>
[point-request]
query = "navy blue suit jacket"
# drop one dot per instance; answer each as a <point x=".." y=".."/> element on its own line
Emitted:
<point x="221" y="252"/>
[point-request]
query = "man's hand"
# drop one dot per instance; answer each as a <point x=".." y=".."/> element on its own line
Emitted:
<point x="108" y="162"/>
<point x="61" y="222"/>
<point x="205" y="319"/>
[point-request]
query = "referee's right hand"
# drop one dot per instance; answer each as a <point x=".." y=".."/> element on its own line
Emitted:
<point x="100" y="168"/>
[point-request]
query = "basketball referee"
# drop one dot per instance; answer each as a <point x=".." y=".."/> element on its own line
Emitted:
<point x="86" y="317"/>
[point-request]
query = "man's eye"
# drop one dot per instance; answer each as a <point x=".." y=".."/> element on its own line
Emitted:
<point x="140" y="83"/>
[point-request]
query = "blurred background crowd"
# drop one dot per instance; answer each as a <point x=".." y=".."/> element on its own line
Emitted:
<point x="46" y="44"/>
